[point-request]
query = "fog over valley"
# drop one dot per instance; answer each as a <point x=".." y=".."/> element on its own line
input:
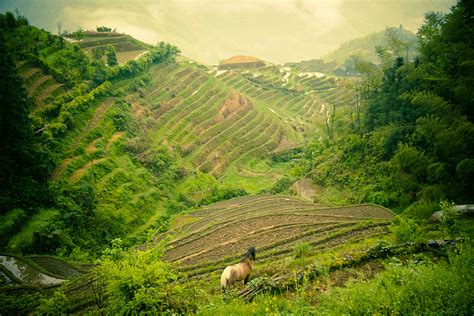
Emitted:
<point x="209" y="31"/>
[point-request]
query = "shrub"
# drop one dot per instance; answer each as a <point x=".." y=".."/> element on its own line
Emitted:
<point x="406" y="230"/>
<point x="140" y="282"/>
<point x="421" y="210"/>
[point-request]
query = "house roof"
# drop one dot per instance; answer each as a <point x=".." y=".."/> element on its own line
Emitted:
<point x="240" y="59"/>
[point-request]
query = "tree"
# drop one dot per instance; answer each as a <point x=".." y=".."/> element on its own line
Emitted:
<point x="103" y="29"/>
<point x="59" y="25"/>
<point x="111" y="56"/>
<point x="21" y="173"/>
<point x="79" y="34"/>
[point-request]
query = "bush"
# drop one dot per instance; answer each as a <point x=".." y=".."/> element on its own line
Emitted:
<point x="140" y="282"/>
<point x="421" y="210"/>
<point x="406" y="230"/>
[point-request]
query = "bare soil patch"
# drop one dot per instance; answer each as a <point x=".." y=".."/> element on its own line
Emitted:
<point x="305" y="189"/>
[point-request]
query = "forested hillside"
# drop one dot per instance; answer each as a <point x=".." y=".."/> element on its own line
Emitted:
<point x="132" y="176"/>
<point x="412" y="128"/>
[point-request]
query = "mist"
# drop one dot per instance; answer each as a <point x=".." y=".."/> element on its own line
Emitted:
<point x="209" y="30"/>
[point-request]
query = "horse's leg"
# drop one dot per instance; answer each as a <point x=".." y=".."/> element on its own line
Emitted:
<point x="247" y="278"/>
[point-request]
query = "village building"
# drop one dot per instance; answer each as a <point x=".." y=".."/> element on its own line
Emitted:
<point x="241" y="62"/>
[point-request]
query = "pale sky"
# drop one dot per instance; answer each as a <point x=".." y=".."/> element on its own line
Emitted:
<point x="211" y="30"/>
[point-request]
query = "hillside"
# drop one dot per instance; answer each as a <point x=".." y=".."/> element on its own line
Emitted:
<point x="134" y="175"/>
<point x="218" y="234"/>
<point x="126" y="47"/>
<point x="209" y="135"/>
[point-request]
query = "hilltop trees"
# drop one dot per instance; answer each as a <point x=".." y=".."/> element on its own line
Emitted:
<point x="103" y="29"/>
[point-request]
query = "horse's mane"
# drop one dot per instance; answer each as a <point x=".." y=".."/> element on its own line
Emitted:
<point x="249" y="255"/>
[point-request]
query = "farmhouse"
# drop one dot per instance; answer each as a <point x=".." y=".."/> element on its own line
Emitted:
<point x="241" y="62"/>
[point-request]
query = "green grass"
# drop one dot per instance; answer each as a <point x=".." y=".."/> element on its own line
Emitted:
<point x="24" y="239"/>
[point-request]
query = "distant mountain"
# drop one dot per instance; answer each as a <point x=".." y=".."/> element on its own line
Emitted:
<point x="341" y="62"/>
<point x="364" y="47"/>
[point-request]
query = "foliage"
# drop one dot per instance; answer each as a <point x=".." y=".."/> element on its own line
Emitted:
<point x="421" y="210"/>
<point x="408" y="289"/>
<point x="56" y="304"/>
<point x="416" y="140"/>
<point x="22" y="170"/>
<point x="449" y="220"/>
<point x="103" y="29"/>
<point x="112" y="56"/>
<point x="10" y="223"/>
<point x="19" y="303"/>
<point x="140" y="282"/>
<point x="282" y="185"/>
<point x="406" y="230"/>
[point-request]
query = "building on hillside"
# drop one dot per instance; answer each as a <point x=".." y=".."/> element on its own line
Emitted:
<point x="241" y="62"/>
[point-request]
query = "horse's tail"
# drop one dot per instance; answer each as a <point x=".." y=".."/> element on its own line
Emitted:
<point x="225" y="278"/>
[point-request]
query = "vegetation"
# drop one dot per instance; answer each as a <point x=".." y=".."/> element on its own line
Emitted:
<point x="139" y="179"/>
<point x="415" y="141"/>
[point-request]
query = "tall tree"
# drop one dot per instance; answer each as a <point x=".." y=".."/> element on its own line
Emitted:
<point x="19" y="172"/>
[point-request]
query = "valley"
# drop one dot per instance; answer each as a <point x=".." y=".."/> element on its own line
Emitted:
<point x="134" y="175"/>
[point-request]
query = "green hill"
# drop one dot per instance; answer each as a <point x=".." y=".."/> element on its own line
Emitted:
<point x="127" y="145"/>
<point x="133" y="176"/>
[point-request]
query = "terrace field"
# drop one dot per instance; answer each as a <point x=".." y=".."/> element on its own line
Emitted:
<point x="127" y="47"/>
<point x="210" y="238"/>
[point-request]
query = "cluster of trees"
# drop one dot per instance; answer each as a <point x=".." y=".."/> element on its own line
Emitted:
<point x="414" y="137"/>
<point x="109" y="51"/>
<point x="104" y="29"/>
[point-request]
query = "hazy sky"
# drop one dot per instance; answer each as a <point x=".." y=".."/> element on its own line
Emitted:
<point x="211" y="30"/>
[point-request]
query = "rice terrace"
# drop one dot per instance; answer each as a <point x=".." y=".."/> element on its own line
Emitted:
<point x="254" y="158"/>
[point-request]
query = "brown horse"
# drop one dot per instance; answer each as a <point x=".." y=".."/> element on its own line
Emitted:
<point x="238" y="272"/>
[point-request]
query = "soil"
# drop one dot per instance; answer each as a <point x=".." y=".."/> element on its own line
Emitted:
<point x="274" y="224"/>
<point x="305" y="189"/>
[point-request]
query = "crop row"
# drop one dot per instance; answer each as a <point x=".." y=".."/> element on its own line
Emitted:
<point x="320" y="241"/>
<point x="261" y="229"/>
<point x="189" y="115"/>
<point x="263" y="240"/>
<point x="225" y="233"/>
<point x="203" y="228"/>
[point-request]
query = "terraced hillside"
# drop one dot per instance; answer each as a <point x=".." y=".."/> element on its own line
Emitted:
<point x="210" y="124"/>
<point x="127" y="47"/>
<point x="302" y="100"/>
<point x="41" y="87"/>
<point x="219" y="234"/>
